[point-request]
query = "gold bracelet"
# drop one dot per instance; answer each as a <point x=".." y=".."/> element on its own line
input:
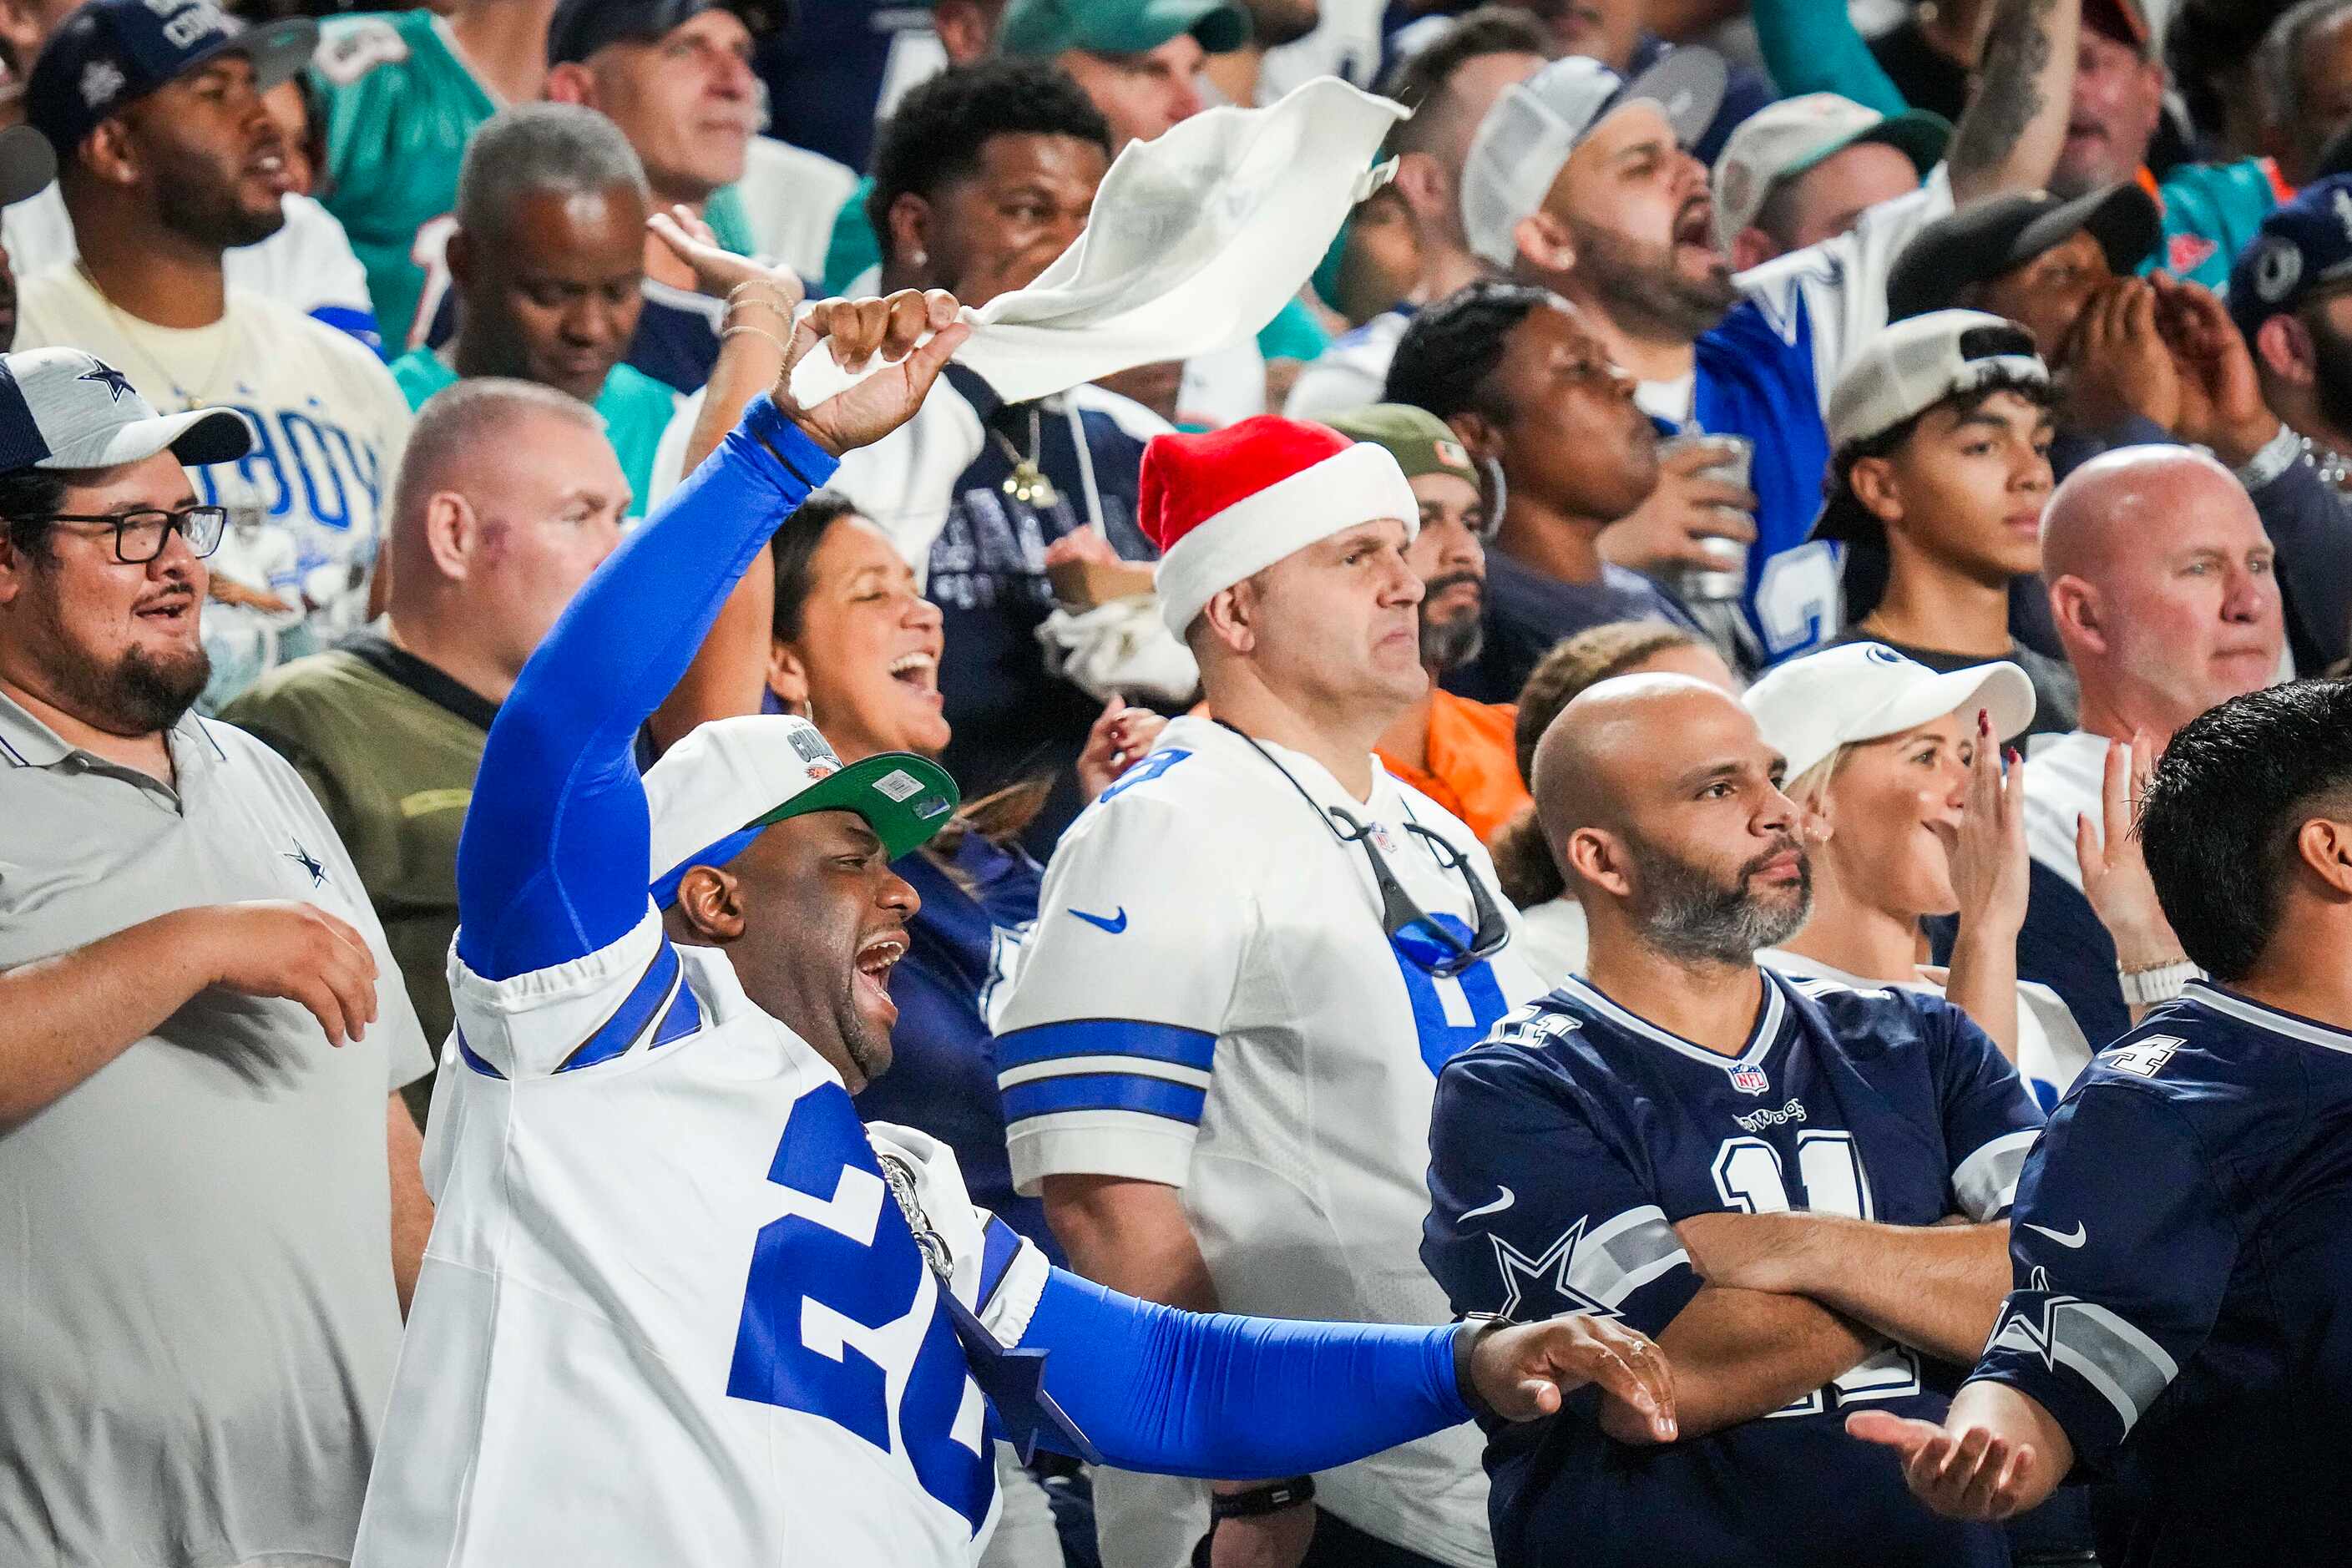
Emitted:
<point x="776" y="301"/>
<point x="783" y="348"/>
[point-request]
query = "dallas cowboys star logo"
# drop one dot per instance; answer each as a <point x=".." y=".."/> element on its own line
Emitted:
<point x="309" y="862"/>
<point x="1014" y="1382"/>
<point x="2036" y="1338"/>
<point x="1543" y="1285"/>
<point x="117" y="383"/>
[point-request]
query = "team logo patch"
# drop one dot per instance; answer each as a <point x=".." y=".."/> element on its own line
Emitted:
<point x="103" y="82"/>
<point x="1749" y="1079"/>
<point x="2185" y="253"/>
<point x="2278" y="267"/>
<point x="1450" y="452"/>
<point x="1383" y="838"/>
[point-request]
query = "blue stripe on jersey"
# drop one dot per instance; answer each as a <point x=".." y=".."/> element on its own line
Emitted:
<point x="620" y="1031"/>
<point x="1105" y="1091"/>
<point x="465" y="1054"/>
<point x="353" y="321"/>
<point x="684" y="1017"/>
<point x="1166" y="1043"/>
<point x="1000" y="1243"/>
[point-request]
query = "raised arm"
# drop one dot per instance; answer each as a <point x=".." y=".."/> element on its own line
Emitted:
<point x="1211" y="1396"/>
<point x="728" y="672"/>
<point x="2010" y="136"/>
<point x="1813" y="47"/>
<point x="551" y="865"/>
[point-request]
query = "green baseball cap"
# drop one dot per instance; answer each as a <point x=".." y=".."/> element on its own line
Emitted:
<point x="1120" y="27"/>
<point x="1419" y="440"/>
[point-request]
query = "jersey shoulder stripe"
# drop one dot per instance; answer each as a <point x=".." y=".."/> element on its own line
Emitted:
<point x="1105" y="1091"/>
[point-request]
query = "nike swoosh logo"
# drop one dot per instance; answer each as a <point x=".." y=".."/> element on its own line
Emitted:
<point x="1114" y="922"/>
<point x="1498" y="1207"/>
<point x="2063" y="1239"/>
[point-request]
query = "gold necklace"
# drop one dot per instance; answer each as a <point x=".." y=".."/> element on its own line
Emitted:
<point x="1027" y="483"/>
<point x="125" y="325"/>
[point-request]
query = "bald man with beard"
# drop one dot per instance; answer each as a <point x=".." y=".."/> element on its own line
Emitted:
<point x="1682" y="1140"/>
<point x="2163" y="589"/>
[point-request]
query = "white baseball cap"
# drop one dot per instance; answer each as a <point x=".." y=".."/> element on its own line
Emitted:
<point x="712" y="792"/>
<point x="1525" y="139"/>
<point x="1784" y="140"/>
<point x="1909" y="366"/>
<point x="1810" y="707"/>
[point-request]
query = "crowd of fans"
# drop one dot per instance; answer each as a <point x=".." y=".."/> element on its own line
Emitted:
<point x="1926" y="381"/>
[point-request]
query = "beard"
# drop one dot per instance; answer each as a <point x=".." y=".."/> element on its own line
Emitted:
<point x="202" y="206"/>
<point x="2332" y="384"/>
<point x="1686" y="914"/>
<point x="1449" y="645"/>
<point x="137" y="694"/>
<point x="1637" y="283"/>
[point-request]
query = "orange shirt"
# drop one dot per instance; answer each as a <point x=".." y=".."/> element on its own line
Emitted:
<point x="1474" y="764"/>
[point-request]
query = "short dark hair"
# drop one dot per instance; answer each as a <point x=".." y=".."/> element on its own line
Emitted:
<point x="937" y="131"/>
<point x="2223" y="808"/>
<point x="1420" y="81"/>
<point x="30" y="493"/>
<point x="792" y="551"/>
<point x="1450" y="350"/>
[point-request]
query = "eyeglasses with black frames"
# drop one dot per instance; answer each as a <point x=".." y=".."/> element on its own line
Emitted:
<point x="139" y="536"/>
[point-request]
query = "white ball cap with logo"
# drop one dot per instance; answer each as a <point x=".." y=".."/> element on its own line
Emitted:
<point x="1810" y="707"/>
<point x="1525" y="139"/>
<point x="711" y="794"/>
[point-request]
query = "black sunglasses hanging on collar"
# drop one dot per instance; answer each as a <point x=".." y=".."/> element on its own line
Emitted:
<point x="1413" y="932"/>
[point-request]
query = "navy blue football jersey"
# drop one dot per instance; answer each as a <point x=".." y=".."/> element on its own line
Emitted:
<point x="2184" y="1285"/>
<point x="1562" y="1152"/>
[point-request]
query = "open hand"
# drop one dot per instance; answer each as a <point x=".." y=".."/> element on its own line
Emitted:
<point x="1970" y="1472"/>
<point x="855" y="332"/>
<point x="2115" y="872"/>
<point x="2225" y="409"/>
<point x="1523" y="1371"/>
<point x="1992" y="869"/>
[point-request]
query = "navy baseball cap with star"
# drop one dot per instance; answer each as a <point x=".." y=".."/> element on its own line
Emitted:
<point x="2304" y="247"/>
<point x="63" y="408"/>
<point x="112" y="53"/>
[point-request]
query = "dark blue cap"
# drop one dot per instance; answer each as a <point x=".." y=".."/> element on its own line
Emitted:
<point x="113" y="53"/>
<point x="2303" y="246"/>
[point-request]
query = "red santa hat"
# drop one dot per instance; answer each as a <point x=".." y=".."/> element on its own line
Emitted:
<point x="1234" y="501"/>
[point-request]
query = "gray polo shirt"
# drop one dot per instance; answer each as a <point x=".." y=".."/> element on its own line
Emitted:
<point x="197" y="1319"/>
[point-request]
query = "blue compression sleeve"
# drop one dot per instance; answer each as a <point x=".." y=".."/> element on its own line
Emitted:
<point x="1811" y="46"/>
<point x="1225" y="1397"/>
<point x="551" y="862"/>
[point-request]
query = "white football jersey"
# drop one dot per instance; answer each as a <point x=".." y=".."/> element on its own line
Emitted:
<point x="1209" y="1001"/>
<point x="671" y="1311"/>
<point x="331" y="422"/>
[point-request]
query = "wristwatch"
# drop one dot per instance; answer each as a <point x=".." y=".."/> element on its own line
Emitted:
<point x="1476" y="1326"/>
<point x="2146" y="987"/>
<point x="2278" y="454"/>
<point x="1267" y="1496"/>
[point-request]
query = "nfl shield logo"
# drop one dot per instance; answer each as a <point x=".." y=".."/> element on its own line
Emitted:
<point x="1749" y="1079"/>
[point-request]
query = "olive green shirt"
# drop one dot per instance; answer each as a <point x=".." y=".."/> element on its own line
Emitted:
<point x="390" y="746"/>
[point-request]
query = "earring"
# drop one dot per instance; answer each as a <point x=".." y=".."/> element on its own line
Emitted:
<point x="918" y="258"/>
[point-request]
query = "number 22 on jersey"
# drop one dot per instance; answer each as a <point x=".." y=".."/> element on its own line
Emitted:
<point x="825" y="1327"/>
